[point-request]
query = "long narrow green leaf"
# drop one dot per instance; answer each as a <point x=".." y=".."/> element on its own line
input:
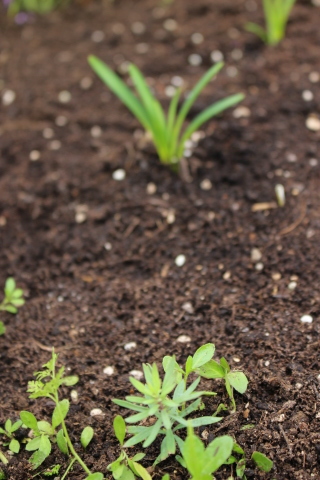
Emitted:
<point x="208" y="113"/>
<point x="195" y="92"/>
<point x="120" y="89"/>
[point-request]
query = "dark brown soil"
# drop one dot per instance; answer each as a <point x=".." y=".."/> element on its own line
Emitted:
<point x="88" y="301"/>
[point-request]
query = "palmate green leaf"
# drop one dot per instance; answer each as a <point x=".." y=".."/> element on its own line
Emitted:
<point x="86" y="436"/>
<point x="208" y="113"/>
<point x="238" y="381"/>
<point x="203" y="355"/>
<point x="120" y="89"/>
<point x="262" y="462"/>
<point x="119" y="427"/>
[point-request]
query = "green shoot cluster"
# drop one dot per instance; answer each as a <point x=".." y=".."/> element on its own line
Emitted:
<point x="276" y="14"/>
<point x="12" y="300"/>
<point x="167" y="131"/>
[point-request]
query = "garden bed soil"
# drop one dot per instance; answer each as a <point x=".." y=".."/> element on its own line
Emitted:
<point x="96" y="256"/>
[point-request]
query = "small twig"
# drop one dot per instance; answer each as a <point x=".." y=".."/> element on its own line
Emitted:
<point x="295" y="224"/>
<point x="286" y="438"/>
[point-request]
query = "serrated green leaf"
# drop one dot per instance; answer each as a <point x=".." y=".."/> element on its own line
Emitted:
<point x="86" y="436"/>
<point x="263" y="463"/>
<point x="238" y="381"/>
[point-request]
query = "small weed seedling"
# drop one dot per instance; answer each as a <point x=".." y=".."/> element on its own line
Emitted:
<point x="239" y="459"/>
<point x="202" y="364"/>
<point x="125" y="468"/>
<point x="276" y="14"/>
<point x="33" y="6"/>
<point x="13" y="444"/>
<point x="202" y="462"/>
<point x="169" y="412"/>
<point x="12" y="300"/>
<point x="166" y="130"/>
<point x="47" y="384"/>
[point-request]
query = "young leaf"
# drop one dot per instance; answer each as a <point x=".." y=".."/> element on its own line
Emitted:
<point x="70" y="380"/>
<point x="218" y="452"/>
<point x="263" y="463"/>
<point x="119" y="427"/>
<point x="86" y="436"/>
<point x="29" y="420"/>
<point x="10" y="286"/>
<point x="37" y="458"/>
<point x="62" y="443"/>
<point x="211" y="369"/>
<point x="141" y="471"/>
<point x="45" y="445"/>
<point x="95" y="476"/>
<point x="238" y="381"/>
<point x="60" y="412"/>
<point x="11" y="309"/>
<point x="2" y="328"/>
<point x="203" y="355"/>
<point x="16" y="425"/>
<point x="14" y="446"/>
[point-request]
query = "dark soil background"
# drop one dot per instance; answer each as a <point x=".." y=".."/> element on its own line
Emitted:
<point x="96" y="256"/>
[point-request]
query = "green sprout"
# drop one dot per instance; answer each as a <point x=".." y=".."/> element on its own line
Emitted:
<point x="234" y="379"/>
<point x="34" y="6"/>
<point x="168" y="412"/>
<point x="166" y="129"/>
<point x="201" y="462"/>
<point x="44" y="433"/>
<point x="125" y="468"/>
<point x="202" y="364"/>
<point x="276" y="14"/>
<point x="12" y="300"/>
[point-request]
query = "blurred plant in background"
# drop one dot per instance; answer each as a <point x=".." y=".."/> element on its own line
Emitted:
<point x="22" y="10"/>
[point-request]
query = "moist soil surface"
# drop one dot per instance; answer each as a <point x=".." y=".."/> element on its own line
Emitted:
<point x="96" y="256"/>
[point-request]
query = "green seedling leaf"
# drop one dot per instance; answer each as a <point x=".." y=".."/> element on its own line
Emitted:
<point x="2" y="329"/>
<point x="62" y="443"/>
<point x="14" y="446"/>
<point x="141" y="471"/>
<point x="95" y="476"/>
<point x="211" y="369"/>
<point x="138" y="457"/>
<point x="45" y="427"/>
<point x="262" y="462"/>
<point x="16" y="425"/>
<point x="2" y="474"/>
<point x="166" y="477"/>
<point x="70" y="380"/>
<point x="203" y="355"/>
<point x="45" y="445"/>
<point x="10" y="286"/>
<point x="225" y="365"/>
<point x="60" y="412"/>
<point x="241" y="467"/>
<point x="119" y="427"/>
<point x="10" y="309"/>
<point x="238" y="381"/>
<point x="86" y="436"/>
<point x="29" y="420"/>
<point x="33" y="444"/>
<point x="37" y="458"/>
